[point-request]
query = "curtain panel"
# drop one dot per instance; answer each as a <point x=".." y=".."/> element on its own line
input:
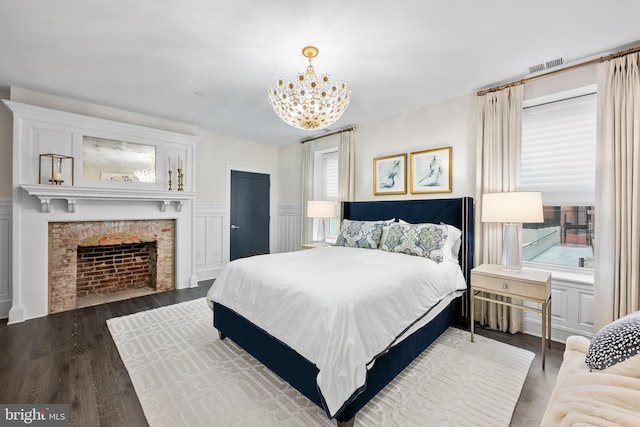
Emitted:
<point x="498" y="170"/>
<point x="346" y="171"/>
<point x="617" y="223"/>
<point x="308" y="155"/>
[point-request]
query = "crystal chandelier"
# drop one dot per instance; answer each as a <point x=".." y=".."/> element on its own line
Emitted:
<point x="309" y="102"/>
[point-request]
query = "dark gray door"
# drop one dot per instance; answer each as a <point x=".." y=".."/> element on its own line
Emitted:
<point x="249" y="214"/>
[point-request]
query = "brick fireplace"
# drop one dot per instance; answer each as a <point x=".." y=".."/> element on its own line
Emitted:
<point x="88" y="259"/>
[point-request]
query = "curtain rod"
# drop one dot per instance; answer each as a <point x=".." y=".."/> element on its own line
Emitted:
<point x="560" y="70"/>
<point x="311" y="138"/>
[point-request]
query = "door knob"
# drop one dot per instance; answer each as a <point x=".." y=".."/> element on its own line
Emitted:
<point x="234" y="227"/>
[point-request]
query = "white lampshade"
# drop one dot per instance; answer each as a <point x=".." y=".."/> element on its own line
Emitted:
<point x="321" y="209"/>
<point x="512" y="207"/>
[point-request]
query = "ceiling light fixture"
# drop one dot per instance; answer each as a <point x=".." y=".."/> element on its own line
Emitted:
<point x="310" y="102"/>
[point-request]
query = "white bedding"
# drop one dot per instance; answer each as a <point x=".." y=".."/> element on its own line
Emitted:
<point x="337" y="307"/>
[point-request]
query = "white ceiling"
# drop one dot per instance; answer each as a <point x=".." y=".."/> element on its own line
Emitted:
<point x="210" y="62"/>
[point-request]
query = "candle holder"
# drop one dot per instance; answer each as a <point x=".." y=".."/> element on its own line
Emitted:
<point x="170" y="182"/>
<point x="56" y="173"/>
<point x="180" y="178"/>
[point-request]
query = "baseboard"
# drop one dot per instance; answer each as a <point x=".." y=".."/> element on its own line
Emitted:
<point x="208" y="274"/>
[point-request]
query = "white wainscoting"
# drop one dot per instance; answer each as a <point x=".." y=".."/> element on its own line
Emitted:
<point x="572" y="311"/>
<point x="210" y="246"/>
<point x="289" y="228"/>
<point x="5" y="256"/>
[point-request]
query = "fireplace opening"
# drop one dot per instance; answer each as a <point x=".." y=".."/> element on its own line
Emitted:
<point x="114" y="272"/>
<point x="94" y="262"/>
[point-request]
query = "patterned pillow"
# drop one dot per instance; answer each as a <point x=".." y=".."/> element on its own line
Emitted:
<point x="360" y="234"/>
<point x="615" y="343"/>
<point x="426" y="240"/>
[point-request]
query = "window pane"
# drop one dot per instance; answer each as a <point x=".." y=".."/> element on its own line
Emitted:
<point x="331" y="176"/>
<point x="565" y="238"/>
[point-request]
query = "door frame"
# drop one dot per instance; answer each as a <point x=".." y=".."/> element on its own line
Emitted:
<point x="226" y="233"/>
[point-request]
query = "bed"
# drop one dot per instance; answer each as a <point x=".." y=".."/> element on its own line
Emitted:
<point x="348" y="333"/>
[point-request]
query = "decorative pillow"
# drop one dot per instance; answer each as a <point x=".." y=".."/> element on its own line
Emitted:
<point x="385" y="231"/>
<point x="615" y="343"/>
<point x="360" y="234"/>
<point x="426" y="240"/>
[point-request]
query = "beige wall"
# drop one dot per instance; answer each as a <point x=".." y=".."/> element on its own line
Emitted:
<point x="216" y="154"/>
<point x="449" y="123"/>
<point x="290" y="174"/>
<point x="6" y="147"/>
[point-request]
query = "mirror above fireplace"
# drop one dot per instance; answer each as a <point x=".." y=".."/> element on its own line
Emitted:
<point x="113" y="160"/>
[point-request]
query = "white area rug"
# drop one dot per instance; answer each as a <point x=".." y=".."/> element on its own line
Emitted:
<point x="185" y="376"/>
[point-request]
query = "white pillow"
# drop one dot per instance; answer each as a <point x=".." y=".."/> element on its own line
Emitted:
<point x="452" y="245"/>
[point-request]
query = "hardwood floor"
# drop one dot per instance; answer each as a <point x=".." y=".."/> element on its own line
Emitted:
<point x="70" y="358"/>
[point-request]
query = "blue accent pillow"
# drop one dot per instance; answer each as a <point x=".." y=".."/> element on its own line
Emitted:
<point x="360" y="234"/>
<point x="615" y="343"/>
<point x="425" y="240"/>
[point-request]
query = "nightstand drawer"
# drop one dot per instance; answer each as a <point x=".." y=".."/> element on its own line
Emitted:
<point x="510" y="286"/>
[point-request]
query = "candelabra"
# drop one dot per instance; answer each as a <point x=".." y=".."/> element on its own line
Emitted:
<point x="170" y="182"/>
<point x="180" y="179"/>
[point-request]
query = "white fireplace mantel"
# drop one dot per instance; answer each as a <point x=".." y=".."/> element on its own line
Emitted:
<point x="37" y="131"/>
<point x="45" y="193"/>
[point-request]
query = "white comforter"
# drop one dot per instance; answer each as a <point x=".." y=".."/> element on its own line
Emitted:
<point x="337" y="307"/>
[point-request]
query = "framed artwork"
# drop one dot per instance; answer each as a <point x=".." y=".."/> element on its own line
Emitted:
<point x="431" y="171"/>
<point x="390" y="175"/>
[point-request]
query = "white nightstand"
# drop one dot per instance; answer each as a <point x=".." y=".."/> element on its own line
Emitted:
<point x="528" y="285"/>
<point x="315" y="245"/>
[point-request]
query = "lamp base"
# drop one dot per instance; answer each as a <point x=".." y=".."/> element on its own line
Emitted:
<point x="511" y="247"/>
<point x="321" y="231"/>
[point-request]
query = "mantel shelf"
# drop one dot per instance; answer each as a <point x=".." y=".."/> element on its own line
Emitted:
<point x="45" y="193"/>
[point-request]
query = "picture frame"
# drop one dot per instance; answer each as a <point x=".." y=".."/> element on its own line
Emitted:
<point x="431" y="171"/>
<point x="390" y="174"/>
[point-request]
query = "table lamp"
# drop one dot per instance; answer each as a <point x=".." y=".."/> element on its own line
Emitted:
<point x="321" y="209"/>
<point x="512" y="209"/>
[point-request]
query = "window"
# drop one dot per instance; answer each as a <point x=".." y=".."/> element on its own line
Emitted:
<point x="558" y="159"/>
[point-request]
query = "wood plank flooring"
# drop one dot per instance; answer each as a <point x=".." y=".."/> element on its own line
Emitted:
<point x="71" y="358"/>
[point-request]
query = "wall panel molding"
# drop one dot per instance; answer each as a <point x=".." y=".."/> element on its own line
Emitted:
<point x="289" y="227"/>
<point x="211" y="250"/>
<point x="571" y="311"/>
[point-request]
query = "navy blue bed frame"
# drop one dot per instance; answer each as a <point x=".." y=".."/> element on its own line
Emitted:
<point x="299" y="372"/>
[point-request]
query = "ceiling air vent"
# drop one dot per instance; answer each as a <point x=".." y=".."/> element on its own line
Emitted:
<point x="546" y="65"/>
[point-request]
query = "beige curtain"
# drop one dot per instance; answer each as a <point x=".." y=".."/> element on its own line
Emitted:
<point x="346" y="171"/>
<point x="308" y="153"/>
<point x="617" y="227"/>
<point x="498" y="170"/>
